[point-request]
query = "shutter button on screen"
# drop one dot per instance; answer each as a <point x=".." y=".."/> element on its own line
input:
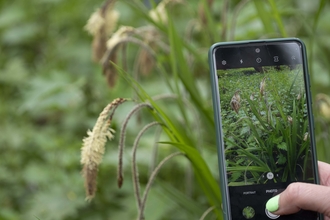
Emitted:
<point x="270" y="175"/>
<point x="271" y="215"/>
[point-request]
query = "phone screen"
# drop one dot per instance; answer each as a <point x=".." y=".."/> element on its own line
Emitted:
<point x="265" y="124"/>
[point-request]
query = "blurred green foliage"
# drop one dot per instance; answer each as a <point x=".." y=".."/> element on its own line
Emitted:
<point x="51" y="93"/>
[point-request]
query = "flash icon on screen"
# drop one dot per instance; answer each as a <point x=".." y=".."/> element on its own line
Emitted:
<point x="276" y="59"/>
<point x="241" y="61"/>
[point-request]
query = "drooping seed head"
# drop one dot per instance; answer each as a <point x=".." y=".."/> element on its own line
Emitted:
<point x="94" y="146"/>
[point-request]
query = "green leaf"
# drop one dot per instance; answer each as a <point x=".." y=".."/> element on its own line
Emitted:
<point x="281" y="159"/>
<point x="245" y="130"/>
<point x="235" y="176"/>
<point x="282" y="146"/>
<point x="278" y="140"/>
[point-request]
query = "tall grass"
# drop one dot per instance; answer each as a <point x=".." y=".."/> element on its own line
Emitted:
<point x="177" y="36"/>
<point x="269" y="131"/>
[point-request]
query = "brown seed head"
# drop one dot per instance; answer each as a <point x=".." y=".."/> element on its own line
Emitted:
<point x="235" y="101"/>
<point x="323" y="104"/>
<point x="262" y="86"/>
<point x="101" y="24"/>
<point x="305" y="136"/>
<point x="94" y="146"/>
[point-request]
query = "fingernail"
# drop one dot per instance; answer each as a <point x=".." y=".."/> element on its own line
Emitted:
<point x="272" y="204"/>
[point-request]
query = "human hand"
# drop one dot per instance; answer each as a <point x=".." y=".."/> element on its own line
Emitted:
<point x="304" y="196"/>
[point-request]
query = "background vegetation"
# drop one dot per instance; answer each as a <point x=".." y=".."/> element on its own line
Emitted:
<point x="51" y="93"/>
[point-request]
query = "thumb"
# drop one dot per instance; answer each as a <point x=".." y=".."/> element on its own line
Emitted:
<point x="301" y="196"/>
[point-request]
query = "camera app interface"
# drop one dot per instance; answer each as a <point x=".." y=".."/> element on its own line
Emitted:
<point x="265" y="125"/>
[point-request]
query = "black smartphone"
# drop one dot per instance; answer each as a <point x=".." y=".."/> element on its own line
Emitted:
<point x="264" y="124"/>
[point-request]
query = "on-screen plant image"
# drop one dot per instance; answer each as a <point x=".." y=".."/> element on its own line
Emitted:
<point x="265" y="125"/>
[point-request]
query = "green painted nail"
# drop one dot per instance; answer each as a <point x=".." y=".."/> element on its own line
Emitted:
<point x="272" y="204"/>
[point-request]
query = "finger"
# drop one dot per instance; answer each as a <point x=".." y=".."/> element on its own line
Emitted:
<point x="324" y="173"/>
<point x="303" y="196"/>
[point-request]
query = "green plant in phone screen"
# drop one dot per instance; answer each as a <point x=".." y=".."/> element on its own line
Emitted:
<point x="266" y="128"/>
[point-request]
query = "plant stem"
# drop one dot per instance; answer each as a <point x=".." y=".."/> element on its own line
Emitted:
<point x="120" y="176"/>
<point x="151" y="179"/>
<point x="135" y="172"/>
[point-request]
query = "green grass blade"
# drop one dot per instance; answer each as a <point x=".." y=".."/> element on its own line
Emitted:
<point x="256" y="113"/>
<point x="210" y="24"/>
<point x="186" y="76"/>
<point x="264" y="16"/>
<point x="183" y="143"/>
<point x="203" y="174"/>
<point x="248" y="168"/>
<point x="251" y="156"/>
<point x="278" y="18"/>
<point x="180" y="198"/>
<point x="312" y="35"/>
